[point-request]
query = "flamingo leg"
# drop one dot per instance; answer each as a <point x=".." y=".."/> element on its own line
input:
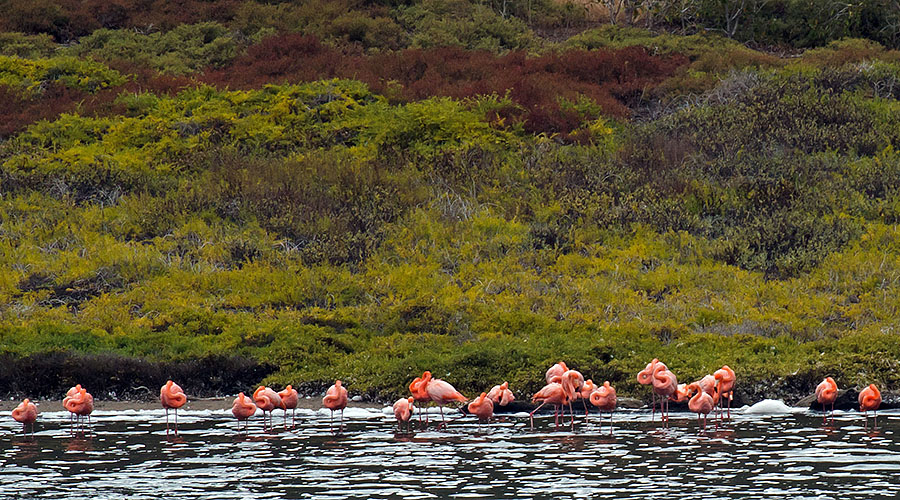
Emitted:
<point x="176" y="420"/>
<point x="572" y="412"/>
<point x="531" y="415"/>
<point x="342" y="420"/>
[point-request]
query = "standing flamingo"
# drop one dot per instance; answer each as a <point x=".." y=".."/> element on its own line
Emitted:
<point x="71" y="392"/>
<point x="870" y="400"/>
<point x="81" y="404"/>
<point x="267" y="400"/>
<point x="482" y="407"/>
<point x="403" y="409"/>
<point x="700" y="403"/>
<point x="826" y="393"/>
<point x="552" y="393"/>
<point x="242" y="409"/>
<point x="585" y="394"/>
<point x="336" y="399"/>
<point x="573" y="383"/>
<point x="289" y="401"/>
<point x="420" y="394"/>
<point x="25" y="413"/>
<point x="171" y="396"/>
<point x="645" y="377"/>
<point x="441" y="393"/>
<point x="555" y="372"/>
<point x="558" y="394"/>
<point x="709" y="385"/>
<point x="501" y="395"/>
<point x="664" y="385"/>
<point x="725" y="378"/>
<point x="604" y="398"/>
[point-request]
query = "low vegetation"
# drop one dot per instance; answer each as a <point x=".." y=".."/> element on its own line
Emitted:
<point x="362" y="191"/>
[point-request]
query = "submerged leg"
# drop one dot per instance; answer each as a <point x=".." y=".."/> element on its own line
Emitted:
<point x="531" y="415"/>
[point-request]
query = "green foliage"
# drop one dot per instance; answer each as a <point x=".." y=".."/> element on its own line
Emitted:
<point x="459" y="23"/>
<point x="183" y="50"/>
<point x="26" y="46"/>
<point x="30" y="75"/>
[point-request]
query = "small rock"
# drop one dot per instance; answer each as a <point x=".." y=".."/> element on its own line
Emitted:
<point x="356" y="399"/>
<point x="629" y="403"/>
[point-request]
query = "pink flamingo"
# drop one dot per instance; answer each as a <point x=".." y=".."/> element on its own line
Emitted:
<point x="709" y="385"/>
<point x="482" y="407"/>
<point x="552" y="393"/>
<point x="403" y="410"/>
<point x="870" y="400"/>
<point x="700" y="403"/>
<point x="80" y="404"/>
<point x="171" y="396"/>
<point x="418" y="389"/>
<point x="604" y="398"/>
<point x="289" y="401"/>
<point x="664" y="385"/>
<point x="441" y="393"/>
<point x="69" y="394"/>
<point x="681" y="394"/>
<point x="243" y="408"/>
<point x="645" y="377"/>
<point x="336" y="399"/>
<point x="585" y="394"/>
<point x="555" y="372"/>
<point x="559" y="394"/>
<point x="267" y="400"/>
<point x="25" y="413"/>
<point x="826" y="394"/>
<point x="725" y="378"/>
<point x="501" y="395"/>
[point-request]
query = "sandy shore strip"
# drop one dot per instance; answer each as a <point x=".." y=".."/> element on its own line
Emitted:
<point x="223" y="403"/>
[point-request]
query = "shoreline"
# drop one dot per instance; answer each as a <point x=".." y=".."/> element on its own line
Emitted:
<point x="220" y="403"/>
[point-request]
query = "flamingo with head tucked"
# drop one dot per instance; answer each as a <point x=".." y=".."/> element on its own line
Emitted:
<point x="267" y="400"/>
<point x="25" y="413"/>
<point x="171" y="396"/>
<point x="700" y="403"/>
<point x="665" y="384"/>
<point x="826" y="394"/>
<point x="501" y="395"/>
<point x="870" y="400"/>
<point x="555" y="372"/>
<point x="725" y="386"/>
<point x="403" y="410"/>
<point x="441" y="393"/>
<point x="645" y="377"/>
<point x="604" y="398"/>
<point x="81" y="404"/>
<point x="243" y="408"/>
<point x="482" y="407"/>
<point x="336" y="399"/>
<point x="289" y="401"/>
<point x="585" y="394"/>
<point x="420" y="395"/>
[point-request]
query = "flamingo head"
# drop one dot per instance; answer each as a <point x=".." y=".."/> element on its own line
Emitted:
<point x="504" y="386"/>
<point x="257" y="391"/>
<point x="337" y="383"/>
<point x="411" y="400"/>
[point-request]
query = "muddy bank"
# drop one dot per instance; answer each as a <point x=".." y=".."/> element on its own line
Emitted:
<point x="115" y="377"/>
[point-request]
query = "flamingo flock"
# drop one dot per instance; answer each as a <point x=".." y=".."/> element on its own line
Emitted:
<point x="564" y="387"/>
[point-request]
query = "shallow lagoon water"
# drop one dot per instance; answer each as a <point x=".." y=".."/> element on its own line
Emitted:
<point x="750" y="456"/>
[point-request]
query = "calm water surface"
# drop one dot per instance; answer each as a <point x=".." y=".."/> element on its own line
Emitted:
<point x="752" y="456"/>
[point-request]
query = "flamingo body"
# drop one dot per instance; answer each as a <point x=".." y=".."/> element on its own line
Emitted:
<point x="482" y="407"/>
<point x="501" y="395"/>
<point x="25" y="413"/>
<point x="243" y="407"/>
<point x="870" y="398"/>
<point x="604" y="398"/>
<point x="172" y="396"/>
<point x="826" y="392"/>
<point x="289" y="398"/>
<point x="554" y="373"/>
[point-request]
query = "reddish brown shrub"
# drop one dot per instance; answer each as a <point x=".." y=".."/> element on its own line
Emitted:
<point x="614" y="79"/>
